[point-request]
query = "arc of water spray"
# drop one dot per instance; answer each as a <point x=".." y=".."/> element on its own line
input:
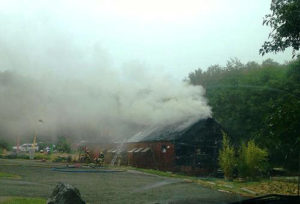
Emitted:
<point x="119" y="150"/>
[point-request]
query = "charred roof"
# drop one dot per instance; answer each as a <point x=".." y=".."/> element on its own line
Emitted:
<point x="183" y="131"/>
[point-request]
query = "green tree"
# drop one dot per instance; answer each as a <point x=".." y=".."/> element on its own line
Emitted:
<point x="284" y="21"/>
<point x="4" y="144"/>
<point x="252" y="160"/>
<point x="227" y="159"/>
<point x="282" y="133"/>
<point x="62" y="144"/>
<point x="257" y="101"/>
<point x="42" y="145"/>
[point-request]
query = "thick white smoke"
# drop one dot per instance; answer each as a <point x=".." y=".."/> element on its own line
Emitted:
<point x="52" y="84"/>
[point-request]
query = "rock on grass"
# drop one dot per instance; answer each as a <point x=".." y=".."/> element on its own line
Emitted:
<point x="65" y="194"/>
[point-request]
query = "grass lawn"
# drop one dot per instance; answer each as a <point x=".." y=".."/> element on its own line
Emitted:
<point x="24" y="201"/>
<point x="250" y="188"/>
<point x="8" y="175"/>
<point x="260" y="187"/>
<point x="270" y="186"/>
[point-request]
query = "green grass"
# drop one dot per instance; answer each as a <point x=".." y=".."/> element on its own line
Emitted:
<point x="8" y="175"/>
<point x="157" y="172"/>
<point x="39" y="156"/>
<point x="260" y="187"/>
<point x="24" y="201"/>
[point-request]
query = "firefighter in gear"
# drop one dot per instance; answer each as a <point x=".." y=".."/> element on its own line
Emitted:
<point x="86" y="157"/>
<point x="100" y="159"/>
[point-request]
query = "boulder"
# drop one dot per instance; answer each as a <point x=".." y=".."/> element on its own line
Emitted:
<point x="65" y="194"/>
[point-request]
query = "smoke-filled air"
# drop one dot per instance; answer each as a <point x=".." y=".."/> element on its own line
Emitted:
<point x="53" y="83"/>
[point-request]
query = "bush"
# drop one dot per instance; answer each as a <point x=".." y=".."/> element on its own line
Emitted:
<point x="252" y="161"/>
<point x="227" y="159"/>
<point x="63" y="145"/>
<point x="41" y="156"/>
<point x="22" y="156"/>
<point x="10" y="156"/>
<point x="16" y="156"/>
<point x="58" y="159"/>
<point x="4" y="145"/>
<point x="62" y="159"/>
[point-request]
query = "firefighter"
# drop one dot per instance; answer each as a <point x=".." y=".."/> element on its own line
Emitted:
<point x="87" y="158"/>
<point x="101" y="156"/>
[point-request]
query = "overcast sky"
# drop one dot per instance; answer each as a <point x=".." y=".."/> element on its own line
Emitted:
<point x="170" y="36"/>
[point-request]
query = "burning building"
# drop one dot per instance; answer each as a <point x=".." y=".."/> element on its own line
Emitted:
<point x="183" y="147"/>
<point x="190" y="147"/>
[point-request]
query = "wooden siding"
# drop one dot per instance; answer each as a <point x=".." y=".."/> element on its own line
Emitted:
<point x="160" y="155"/>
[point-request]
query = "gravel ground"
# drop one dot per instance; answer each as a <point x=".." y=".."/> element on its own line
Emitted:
<point x="38" y="180"/>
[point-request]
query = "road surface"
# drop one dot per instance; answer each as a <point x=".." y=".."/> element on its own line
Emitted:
<point x="38" y="180"/>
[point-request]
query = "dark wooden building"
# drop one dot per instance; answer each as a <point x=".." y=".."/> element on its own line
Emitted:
<point x="184" y="147"/>
<point x="190" y="147"/>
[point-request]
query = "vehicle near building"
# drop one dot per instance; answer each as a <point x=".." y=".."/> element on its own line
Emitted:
<point x="26" y="147"/>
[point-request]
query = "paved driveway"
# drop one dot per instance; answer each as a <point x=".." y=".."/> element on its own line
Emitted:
<point x="38" y="180"/>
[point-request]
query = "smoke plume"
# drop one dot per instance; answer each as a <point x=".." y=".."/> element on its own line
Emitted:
<point x="55" y="83"/>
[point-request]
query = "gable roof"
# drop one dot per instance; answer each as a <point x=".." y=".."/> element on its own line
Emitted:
<point x="171" y="132"/>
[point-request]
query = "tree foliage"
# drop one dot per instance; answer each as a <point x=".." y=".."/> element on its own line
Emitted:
<point x="252" y="161"/>
<point x="62" y="145"/>
<point x="284" y="21"/>
<point x="227" y="160"/>
<point x="4" y="144"/>
<point x="257" y="101"/>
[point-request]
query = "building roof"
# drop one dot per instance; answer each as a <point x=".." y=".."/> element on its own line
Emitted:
<point x="174" y="131"/>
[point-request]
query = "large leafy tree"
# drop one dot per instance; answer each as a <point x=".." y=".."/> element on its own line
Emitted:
<point x="284" y="21"/>
<point x="259" y="102"/>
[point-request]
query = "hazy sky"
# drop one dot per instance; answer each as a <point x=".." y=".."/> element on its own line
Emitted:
<point x="170" y="36"/>
<point x="102" y="67"/>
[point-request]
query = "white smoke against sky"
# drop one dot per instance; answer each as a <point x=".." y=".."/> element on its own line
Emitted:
<point x="57" y="73"/>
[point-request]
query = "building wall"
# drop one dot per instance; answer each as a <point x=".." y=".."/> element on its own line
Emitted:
<point x="167" y="160"/>
<point x="161" y="155"/>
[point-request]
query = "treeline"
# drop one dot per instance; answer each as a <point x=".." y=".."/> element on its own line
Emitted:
<point x="259" y="102"/>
